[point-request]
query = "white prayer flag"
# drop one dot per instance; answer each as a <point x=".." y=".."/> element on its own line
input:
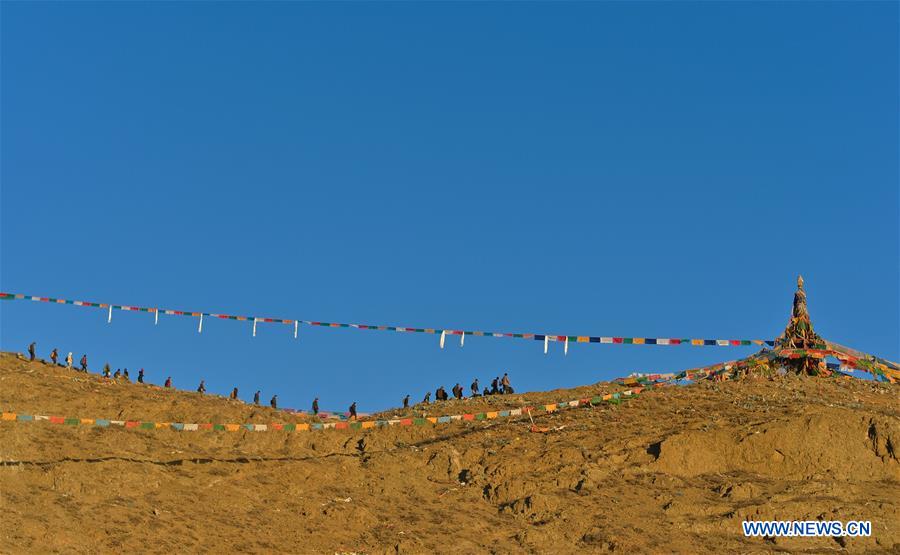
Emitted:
<point x="443" y="335"/>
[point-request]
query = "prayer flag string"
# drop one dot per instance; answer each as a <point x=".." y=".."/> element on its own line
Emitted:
<point x="545" y="338"/>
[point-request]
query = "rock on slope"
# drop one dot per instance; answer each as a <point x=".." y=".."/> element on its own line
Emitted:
<point x="673" y="470"/>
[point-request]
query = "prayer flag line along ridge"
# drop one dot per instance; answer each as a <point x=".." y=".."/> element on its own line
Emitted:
<point x="442" y="332"/>
<point x="610" y="398"/>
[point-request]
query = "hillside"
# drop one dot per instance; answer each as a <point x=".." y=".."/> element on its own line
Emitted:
<point x="674" y="469"/>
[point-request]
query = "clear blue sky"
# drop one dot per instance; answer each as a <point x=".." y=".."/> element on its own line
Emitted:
<point x="634" y="169"/>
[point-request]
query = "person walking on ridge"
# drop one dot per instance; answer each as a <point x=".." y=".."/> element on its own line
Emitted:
<point x="475" y="390"/>
<point x="505" y="382"/>
<point x="256" y="397"/>
<point x="54" y="354"/>
<point x="234" y="394"/>
<point x="353" y="411"/>
<point x="169" y="382"/>
<point x="427" y="399"/>
<point x="202" y="387"/>
<point x="406" y="402"/>
<point x="495" y="386"/>
<point x="274" y="402"/>
<point x="315" y="406"/>
<point x="31" y="351"/>
<point x="69" y="360"/>
<point x="141" y="375"/>
<point x="106" y="370"/>
<point x="84" y="363"/>
<point x="125" y="375"/>
<point x="116" y="374"/>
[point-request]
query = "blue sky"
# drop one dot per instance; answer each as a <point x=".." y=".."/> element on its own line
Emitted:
<point x="635" y="169"/>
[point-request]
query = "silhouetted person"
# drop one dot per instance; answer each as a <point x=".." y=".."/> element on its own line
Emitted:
<point x="31" y="350"/>
<point x="125" y="375"/>
<point x="274" y="402"/>
<point x="169" y="382"/>
<point x="141" y="375"/>
<point x="458" y="391"/>
<point x="256" y="397"/>
<point x="486" y="392"/>
<point x="475" y="390"/>
<point x="315" y="406"/>
<point x="427" y="398"/>
<point x="495" y="386"/>
<point x="69" y="360"/>
<point x="202" y="387"/>
<point x="505" y="383"/>
<point x="440" y="394"/>
<point x="406" y="402"/>
<point x="233" y="394"/>
<point x="84" y="363"/>
<point x="353" y="411"/>
<point x="106" y="370"/>
<point x="116" y="374"/>
<point x="54" y="355"/>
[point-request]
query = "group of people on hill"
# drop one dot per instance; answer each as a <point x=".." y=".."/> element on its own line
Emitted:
<point x="273" y="402"/>
<point x="499" y="386"/>
<point x="54" y="356"/>
<point x="123" y="374"/>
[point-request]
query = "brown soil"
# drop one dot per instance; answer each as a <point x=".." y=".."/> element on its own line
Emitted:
<point x="673" y="470"/>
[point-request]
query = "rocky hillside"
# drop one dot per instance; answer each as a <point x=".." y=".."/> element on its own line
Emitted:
<point x="675" y="469"/>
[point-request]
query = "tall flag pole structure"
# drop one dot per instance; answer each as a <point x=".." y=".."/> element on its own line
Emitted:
<point x="800" y="350"/>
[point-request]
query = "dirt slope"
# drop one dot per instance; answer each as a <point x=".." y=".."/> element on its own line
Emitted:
<point x="673" y="470"/>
